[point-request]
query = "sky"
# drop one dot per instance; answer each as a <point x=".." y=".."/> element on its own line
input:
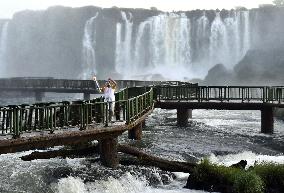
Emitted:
<point x="9" y="7"/>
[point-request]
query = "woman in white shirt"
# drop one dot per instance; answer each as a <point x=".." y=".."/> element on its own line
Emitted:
<point x="108" y="90"/>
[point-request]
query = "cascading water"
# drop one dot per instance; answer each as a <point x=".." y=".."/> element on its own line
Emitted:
<point x="164" y="42"/>
<point x="228" y="40"/>
<point x="219" y="48"/>
<point x="3" y="47"/>
<point x="202" y="38"/>
<point x="123" y="51"/>
<point x="247" y="38"/>
<point x="161" y="43"/>
<point x="173" y="46"/>
<point x="89" y="44"/>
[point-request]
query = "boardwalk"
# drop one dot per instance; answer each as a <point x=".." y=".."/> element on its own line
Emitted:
<point x="37" y="87"/>
<point x="40" y="125"/>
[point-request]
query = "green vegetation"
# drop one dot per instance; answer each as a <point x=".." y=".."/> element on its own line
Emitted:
<point x="278" y="2"/>
<point x="272" y="176"/>
<point x="262" y="178"/>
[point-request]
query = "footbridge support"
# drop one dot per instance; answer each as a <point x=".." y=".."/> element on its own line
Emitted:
<point x="39" y="96"/>
<point x="87" y="96"/>
<point x="136" y="132"/>
<point x="108" y="152"/>
<point x="267" y="120"/>
<point x="182" y="116"/>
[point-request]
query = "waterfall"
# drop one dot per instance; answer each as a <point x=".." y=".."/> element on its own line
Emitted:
<point x="232" y="24"/>
<point x="161" y="43"/>
<point x="247" y="38"/>
<point x="3" y="47"/>
<point x="89" y="44"/>
<point x="229" y="39"/>
<point x="123" y="52"/>
<point x="170" y="41"/>
<point x="219" y="48"/>
<point x="140" y="52"/>
<point x="176" y="46"/>
<point x="202" y="40"/>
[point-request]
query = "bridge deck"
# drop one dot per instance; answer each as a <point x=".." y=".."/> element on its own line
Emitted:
<point x="131" y="104"/>
<point x="60" y="137"/>
<point x="218" y="105"/>
<point x="44" y="139"/>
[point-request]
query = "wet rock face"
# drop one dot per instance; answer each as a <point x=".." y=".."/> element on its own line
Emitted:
<point x="218" y="75"/>
<point x="261" y="67"/>
<point x="49" y="43"/>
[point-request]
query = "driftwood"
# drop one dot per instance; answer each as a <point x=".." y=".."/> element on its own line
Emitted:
<point x="142" y="158"/>
<point x="150" y="160"/>
<point x="61" y="153"/>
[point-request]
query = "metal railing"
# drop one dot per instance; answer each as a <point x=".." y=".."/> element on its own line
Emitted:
<point x="221" y="93"/>
<point x="18" y="119"/>
<point x="130" y="104"/>
<point x="43" y="83"/>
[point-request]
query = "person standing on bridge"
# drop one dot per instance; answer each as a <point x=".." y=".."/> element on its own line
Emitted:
<point x="108" y="89"/>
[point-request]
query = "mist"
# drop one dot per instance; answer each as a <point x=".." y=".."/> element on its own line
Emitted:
<point x="77" y="43"/>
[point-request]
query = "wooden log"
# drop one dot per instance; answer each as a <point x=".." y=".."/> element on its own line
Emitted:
<point x="142" y="158"/>
<point x="61" y="153"/>
<point x="150" y="160"/>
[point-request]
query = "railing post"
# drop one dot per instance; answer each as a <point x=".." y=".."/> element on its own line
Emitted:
<point x="106" y="104"/>
<point x="127" y="112"/>
<point x="16" y="132"/>
<point x="228" y="96"/>
<point x="82" y="115"/>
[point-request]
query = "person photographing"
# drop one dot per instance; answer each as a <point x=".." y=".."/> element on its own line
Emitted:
<point x="108" y="89"/>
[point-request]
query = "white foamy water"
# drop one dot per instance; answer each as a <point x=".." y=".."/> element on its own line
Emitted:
<point x="71" y="185"/>
<point x="219" y="135"/>
<point x="249" y="156"/>
<point x="246" y="122"/>
<point x="127" y="183"/>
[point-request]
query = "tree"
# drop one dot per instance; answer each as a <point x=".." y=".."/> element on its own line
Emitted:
<point x="154" y="8"/>
<point x="278" y="2"/>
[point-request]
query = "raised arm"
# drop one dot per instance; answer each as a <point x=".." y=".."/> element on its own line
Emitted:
<point x="113" y="83"/>
<point x="97" y="84"/>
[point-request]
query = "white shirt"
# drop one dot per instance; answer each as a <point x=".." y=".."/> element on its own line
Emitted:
<point x="109" y="94"/>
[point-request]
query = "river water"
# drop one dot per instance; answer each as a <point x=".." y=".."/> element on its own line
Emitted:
<point x="225" y="137"/>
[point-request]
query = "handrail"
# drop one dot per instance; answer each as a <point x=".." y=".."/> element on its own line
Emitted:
<point x="40" y="83"/>
<point x="263" y="94"/>
<point x="130" y="104"/>
<point x="18" y="119"/>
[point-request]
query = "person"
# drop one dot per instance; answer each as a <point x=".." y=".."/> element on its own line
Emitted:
<point x="97" y="84"/>
<point x="108" y="89"/>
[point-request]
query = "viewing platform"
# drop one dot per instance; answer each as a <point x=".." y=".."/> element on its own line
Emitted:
<point x="42" y="125"/>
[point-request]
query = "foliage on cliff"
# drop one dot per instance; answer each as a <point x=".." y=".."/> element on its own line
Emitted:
<point x="262" y="178"/>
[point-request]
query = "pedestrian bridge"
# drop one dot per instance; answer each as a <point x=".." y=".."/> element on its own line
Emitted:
<point x="41" y="125"/>
<point x="37" y="87"/>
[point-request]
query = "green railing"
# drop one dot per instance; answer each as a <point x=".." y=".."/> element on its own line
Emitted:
<point x="130" y="105"/>
<point x="18" y="119"/>
<point x="221" y="93"/>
